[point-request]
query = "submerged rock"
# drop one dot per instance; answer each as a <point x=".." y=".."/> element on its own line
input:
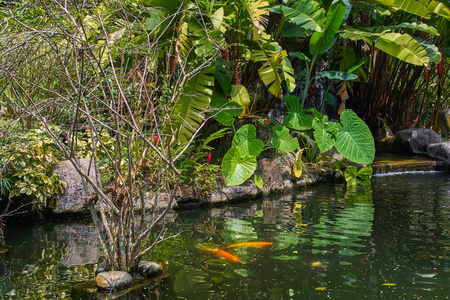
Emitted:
<point x="148" y="269"/>
<point x="113" y="280"/>
<point x="415" y="140"/>
<point x="440" y="151"/>
<point x="443" y="123"/>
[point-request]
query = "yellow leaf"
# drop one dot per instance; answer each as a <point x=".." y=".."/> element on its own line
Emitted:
<point x="389" y="284"/>
<point x="297" y="170"/>
<point x="321" y="288"/>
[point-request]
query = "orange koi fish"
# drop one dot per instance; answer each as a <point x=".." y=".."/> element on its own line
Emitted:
<point x="222" y="253"/>
<point x="248" y="244"/>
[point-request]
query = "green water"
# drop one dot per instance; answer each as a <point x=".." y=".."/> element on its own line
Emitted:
<point x="389" y="241"/>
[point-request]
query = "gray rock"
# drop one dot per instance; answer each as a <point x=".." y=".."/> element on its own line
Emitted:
<point x="71" y="200"/>
<point x="102" y="267"/>
<point x="443" y="123"/>
<point x="415" y="140"/>
<point x="113" y="280"/>
<point x="148" y="269"/>
<point x="440" y="151"/>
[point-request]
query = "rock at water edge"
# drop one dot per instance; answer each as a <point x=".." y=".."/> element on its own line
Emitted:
<point x="440" y="151"/>
<point x="415" y="140"/>
<point x="71" y="200"/>
<point x="148" y="269"/>
<point x="113" y="280"/>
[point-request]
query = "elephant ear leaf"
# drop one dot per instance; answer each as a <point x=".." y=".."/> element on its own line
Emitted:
<point x="245" y="139"/>
<point x="354" y="140"/>
<point x="296" y="118"/>
<point x="282" y="139"/>
<point x="236" y="168"/>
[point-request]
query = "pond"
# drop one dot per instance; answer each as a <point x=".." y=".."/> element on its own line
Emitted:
<point x="388" y="241"/>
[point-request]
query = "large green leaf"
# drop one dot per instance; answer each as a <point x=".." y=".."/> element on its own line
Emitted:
<point x="282" y="139"/>
<point x="413" y="26"/>
<point x="354" y="140"/>
<point x="307" y="15"/>
<point x="332" y="75"/>
<point x="276" y="69"/>
<point x="432" y="51"/>
<point x="245" y="139"/>
<point x="296" y="118"/>
<point x="236" y="168"/>
<point x="239" y="94"/>
<point x="190" y="107"/>
<point x="225" y="111"/>
<point x="322" y="41"/>
<point x="403" y="47"/>
<point x="325" y="133"/>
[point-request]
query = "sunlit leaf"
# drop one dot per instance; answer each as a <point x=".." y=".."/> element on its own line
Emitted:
<point x="282" y="139"/>
<point x="236" y="168"/>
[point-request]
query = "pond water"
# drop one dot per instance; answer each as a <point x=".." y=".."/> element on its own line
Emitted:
<point x="388" y="241"/>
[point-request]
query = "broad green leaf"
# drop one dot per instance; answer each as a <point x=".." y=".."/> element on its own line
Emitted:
<point x="438" y="8"/>
<point x="364" y="175"/>
<point x="350" y="176"/>
<point x="322" y="41"/>
<point x="323" y="139"/>
<point x="298" y="164"/>
<point x="413" y="26"/>
<point x="338" y="75"/>
<point x="403" y="47"/>
<point x="217" y="18"/>
<point x="296" y="118"/>
<point x="330" y="99"/>
<point x="258" y="15"/>
<point x="223" y="75"/>
<point x="282" y="139"/>
<point x="190" y="107"/>
<point x="240" y="95"/>
<point x="299" y="55"/>
<point x="258" y="181"/>
<point x="307" y="15"/>
<point x="276" y="69"/>
<point x="356" y="35"/>
<point x="432" y="51"/>
<point x="236" y="169"/>
<point x="225" y="111"/>
<point x="245" y="139"/>
<point x="354" y="140"/>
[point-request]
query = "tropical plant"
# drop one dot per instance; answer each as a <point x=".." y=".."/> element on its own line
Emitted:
<point x="124" y="79"/>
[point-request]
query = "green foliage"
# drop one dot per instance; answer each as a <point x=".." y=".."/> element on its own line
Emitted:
<point x="245" y="139"/>
<point x="296" y="118"/>
<point x="282" y="139"/>
<point x="28" y="159"/>
<point x="354" y="139"/>
<point x="236" y="167"/>
<point x="355" y="177"/>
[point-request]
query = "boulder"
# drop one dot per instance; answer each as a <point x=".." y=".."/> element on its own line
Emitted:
<point x="415" y="140"/>
<point x="113" y="280"/>
<point x="443" y="123"/>
<point x="440" y="151"/>
<point x="71" y="200"/>
<point x="148" y="269"/>
<point x="102" y="267"/>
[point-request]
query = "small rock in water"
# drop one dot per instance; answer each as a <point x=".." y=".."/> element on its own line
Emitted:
<point x="113" y="280"/>
<point x="148" y="269"/>
<point x="102" y="267"/>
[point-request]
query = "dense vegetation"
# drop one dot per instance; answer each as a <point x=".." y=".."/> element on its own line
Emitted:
<point x="146" y="88"/>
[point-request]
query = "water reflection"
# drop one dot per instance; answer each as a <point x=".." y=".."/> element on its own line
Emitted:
<point x="390" y="241"/>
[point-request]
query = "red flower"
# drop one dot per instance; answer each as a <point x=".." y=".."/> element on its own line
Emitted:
<point x="441" y="65"/>
<point x="155" y="141"/>
<point x="209" y="158"/>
